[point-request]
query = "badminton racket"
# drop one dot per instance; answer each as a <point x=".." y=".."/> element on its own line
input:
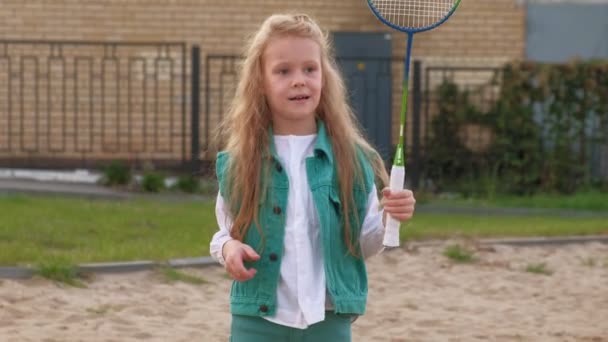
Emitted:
<point x="409" y="16"/>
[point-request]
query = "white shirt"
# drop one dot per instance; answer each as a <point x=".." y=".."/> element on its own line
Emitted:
<point x="301" y="292"/>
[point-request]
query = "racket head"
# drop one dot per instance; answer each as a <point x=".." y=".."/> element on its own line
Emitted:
<point x="413" y="16"/>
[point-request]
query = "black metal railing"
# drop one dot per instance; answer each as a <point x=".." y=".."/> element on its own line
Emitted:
<point x="72" y="103"/>
<point x="66" y="103"/>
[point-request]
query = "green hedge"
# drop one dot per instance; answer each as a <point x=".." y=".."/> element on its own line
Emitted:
<point x="540" y="132"/>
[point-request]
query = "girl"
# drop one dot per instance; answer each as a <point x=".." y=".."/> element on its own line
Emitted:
<point x="297" y="208"/>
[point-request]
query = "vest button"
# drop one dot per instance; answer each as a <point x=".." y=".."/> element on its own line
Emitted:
<point x="263" y="308"/>
<point x="277" y="210"/>
<point x="273" y="257"/>
<point x="279" y="168"/>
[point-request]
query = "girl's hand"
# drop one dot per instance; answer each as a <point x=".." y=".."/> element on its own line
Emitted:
<point x="399" y="204"/>
<point x="235" y="253"/>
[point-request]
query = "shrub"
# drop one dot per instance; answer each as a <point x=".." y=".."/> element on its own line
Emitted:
<point x="153" y="182"/>
<point x="208" y="186"/>
<point x="543" y="128"/>
<point x="117" y="173"/>
<point x="189" y="184"/>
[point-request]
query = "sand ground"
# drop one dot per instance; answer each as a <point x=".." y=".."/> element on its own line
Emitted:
<point x="416" y="294"/>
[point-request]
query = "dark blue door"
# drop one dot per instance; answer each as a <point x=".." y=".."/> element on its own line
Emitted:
<point x="365" y="62"/>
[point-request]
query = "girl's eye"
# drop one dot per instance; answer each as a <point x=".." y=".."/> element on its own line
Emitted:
<point x="283" y="71"/>
<point x="309" y="70"/>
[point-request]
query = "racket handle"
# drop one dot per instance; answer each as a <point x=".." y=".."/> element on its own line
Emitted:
<point x="391" y="233"/>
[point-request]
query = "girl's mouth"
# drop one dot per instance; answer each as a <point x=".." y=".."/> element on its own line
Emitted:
<point x="299" y="98"/>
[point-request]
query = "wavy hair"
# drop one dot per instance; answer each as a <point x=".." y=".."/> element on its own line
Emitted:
<point x="248" y="121"/>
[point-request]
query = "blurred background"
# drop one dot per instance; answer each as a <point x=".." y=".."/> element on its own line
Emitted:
<point x="108" y="113"/>
<point x="120" y="99"/>
<point x="507" y="96"/>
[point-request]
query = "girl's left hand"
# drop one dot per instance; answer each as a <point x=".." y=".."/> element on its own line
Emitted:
<point x="399" y="204"/>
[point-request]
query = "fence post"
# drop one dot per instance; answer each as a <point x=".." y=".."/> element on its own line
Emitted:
<point x="414" y="169"/>
<point x="195" y="107"/>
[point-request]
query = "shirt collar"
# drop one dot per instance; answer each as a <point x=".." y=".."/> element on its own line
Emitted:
<point x="322" y="145"/>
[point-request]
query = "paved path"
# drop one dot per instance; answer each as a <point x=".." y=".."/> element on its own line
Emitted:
<point x="86" y="190"/>
<point x="61" y="188"/>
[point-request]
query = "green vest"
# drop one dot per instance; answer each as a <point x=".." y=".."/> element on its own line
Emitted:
<point x="346" y="276"/>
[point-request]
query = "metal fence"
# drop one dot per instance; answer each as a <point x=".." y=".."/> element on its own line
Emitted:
<point x="76" y="103"/>
<point x="80" y="104"/>
<point x="221" y="77"/>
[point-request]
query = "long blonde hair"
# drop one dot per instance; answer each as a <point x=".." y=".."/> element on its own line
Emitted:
<point x="248" y="121"/>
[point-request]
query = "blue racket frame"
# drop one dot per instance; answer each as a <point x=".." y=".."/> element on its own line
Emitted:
<point x="399" y="159"/>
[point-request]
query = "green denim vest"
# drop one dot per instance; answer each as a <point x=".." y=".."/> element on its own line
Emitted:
<point x="346" y="276"/>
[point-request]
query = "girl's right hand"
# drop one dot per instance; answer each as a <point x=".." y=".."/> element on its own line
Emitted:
<point x="235" y="253"/>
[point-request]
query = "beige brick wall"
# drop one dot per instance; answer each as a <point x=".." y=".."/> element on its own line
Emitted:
<point x="482" y="32"/>
<point x="480" y="28"/>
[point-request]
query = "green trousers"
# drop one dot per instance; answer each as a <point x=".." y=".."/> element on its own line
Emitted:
<point x="335" y="328"/>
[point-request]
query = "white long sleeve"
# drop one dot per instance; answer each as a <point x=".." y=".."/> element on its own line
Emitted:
<point x="224" y="221"/>
<point x="372" y="231"/>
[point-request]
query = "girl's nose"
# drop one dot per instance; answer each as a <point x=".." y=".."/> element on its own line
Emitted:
<point x="298" y="80"/>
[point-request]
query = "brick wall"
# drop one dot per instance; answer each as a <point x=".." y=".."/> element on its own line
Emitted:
<point x="482" y="32"/>
<point x="481" y="29"/>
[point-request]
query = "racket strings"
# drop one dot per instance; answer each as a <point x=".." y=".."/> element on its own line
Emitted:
<point x="413" y="13"/>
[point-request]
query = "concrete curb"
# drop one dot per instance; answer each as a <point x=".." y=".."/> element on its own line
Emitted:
<point x="548" y="240"/>
<point x="90" y="191"/>
<point x="117" y="267"/>
<point x="33" y="187"/>
<point x="15" y="272"/>
<point x="143" y="265"/>
<point x="525" y="242"/>
<point x="192" y="262"/>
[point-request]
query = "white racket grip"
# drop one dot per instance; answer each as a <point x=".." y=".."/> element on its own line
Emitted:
<point x="391" y="233"/>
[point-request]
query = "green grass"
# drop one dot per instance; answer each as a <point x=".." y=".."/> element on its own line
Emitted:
<point x="60" y="271"/>
<point x="35" y="229"/>
<point x="538" y="268"/>
<point x="459" y="254"/>
<point x="439" y="226"/>
<point x="588" y="200"/>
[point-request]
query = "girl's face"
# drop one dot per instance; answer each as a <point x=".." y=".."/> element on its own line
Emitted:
<point x="292" y="84"/>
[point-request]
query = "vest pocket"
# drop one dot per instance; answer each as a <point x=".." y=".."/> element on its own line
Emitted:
<point x="334" y="199"/>
<point x="357" y="214"/>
